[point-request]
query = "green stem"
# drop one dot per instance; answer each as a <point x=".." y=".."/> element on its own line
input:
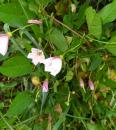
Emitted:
<point x="92" y="39"/>
<point x="64" y="25"/>
<point x="27" y="121"/>
<point x="21" y="4"/>
<point x="86" y="38"/>
<point x="70" y="50"/>
<point x="77" y="117"/>
<point x="21" y="28"/>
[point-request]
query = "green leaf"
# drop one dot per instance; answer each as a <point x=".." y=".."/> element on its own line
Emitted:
<point x="62" y="119"/>
<point x="94" y="127"/>
<point x="95" y="63"/>
<point x="108" y="13"/>
<point x="23" y="127"/>
<point x="81" y="15"/>
<point x="111" y="46"/>
<point x="7" y="85"/>
<point x="56" y="85"/>
<point x="69" y="75"/>
<point x="37" y="127"/>
<point x="20" y="103"/>
<point x="93" y="22"/>
<point x="1" y="105"/>
<point x="110" y="83"/>
<point x="57" y="38"/>
<point x="68" y="20"/>
<point x="43" y="3"/>
<point x="16" y="66"/>
<point x="12" y="14"/>
<point x="43" y="100"/>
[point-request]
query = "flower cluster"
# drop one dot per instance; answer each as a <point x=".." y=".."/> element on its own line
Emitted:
<point x="52" y="64"/>
<point x="90" y="84"/>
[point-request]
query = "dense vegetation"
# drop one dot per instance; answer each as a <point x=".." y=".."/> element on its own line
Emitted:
<point x="58" y="71"/>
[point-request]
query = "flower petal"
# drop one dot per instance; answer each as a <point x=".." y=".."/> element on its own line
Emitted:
<point x="36" y="55"/>
<point x="4" y="43"/>
<point x="34" y="50"/>
<point x="30" y="56"/>
<point x="53" y="65"/>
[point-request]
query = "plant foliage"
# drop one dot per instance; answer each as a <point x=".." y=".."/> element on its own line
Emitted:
<point x="77" y="42"/>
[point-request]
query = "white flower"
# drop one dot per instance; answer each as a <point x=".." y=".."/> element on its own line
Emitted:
<point x="37" y="56"/>
<point x="45" y="86"/>
<point x="53" y="65"/>
<point x="4" y="38"/>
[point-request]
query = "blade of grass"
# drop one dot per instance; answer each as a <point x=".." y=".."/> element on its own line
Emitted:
<point x="18" y="47"/>
<point x="112" y="122"/>
<point x="27" y="17"/>
<point x="77" y="117"/>
<point x="61" y="120"/>
<point x="5" y="121"/>
<point x="27" y="121"/>
<point x="31" y="38"/>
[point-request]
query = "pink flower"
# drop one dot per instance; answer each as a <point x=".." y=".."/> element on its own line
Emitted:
<point x="91" y="85"/>
<point x="4" y="38"/>
<point x="34" y="21"/>
<point x="81" y="83"/>
<point x="53" y="65"/>
<point x="37" y="56"/>
<point x="45" y="86"/>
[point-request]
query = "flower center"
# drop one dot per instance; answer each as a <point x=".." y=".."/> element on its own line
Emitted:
<point x="39" y="53"/>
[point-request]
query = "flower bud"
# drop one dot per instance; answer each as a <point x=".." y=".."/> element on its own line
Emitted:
<point x="35" y="81"/>
<point x="81" y="83"/>
<point x="34" y="21"/>
<point x="45" y="86"/>
<point x="73" y="8"/>
<point x="91" y="84"/>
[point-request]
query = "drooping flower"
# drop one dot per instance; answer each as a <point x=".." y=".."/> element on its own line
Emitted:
<point x="35" y="21"/>
<point x="37" y="56"/>
<point x="91" y="84"/>
<point x="4" y="39"/>
<point x="45" y="86"/>
<point x="53" y="65"/>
